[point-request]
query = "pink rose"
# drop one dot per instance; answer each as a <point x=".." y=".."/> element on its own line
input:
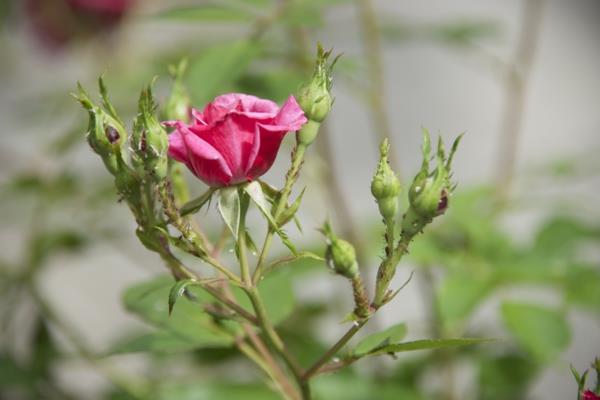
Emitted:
<point x="589" y="395"/>
<point x="235" y="139"/>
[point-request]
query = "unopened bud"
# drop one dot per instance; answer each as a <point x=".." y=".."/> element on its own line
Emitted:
<point x="150" y="141"/>
<point x="340" y="254"/>
<point x="105" y="131"/>
<point x="315" y="97"/>
<point x="430" y="191"/>
<point x="385" y="186"/>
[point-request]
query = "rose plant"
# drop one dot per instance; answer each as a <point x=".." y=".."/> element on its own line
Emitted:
<point x="229" y="146"/>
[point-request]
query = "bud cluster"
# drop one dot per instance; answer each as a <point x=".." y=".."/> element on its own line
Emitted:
<point x="137" y="162"/>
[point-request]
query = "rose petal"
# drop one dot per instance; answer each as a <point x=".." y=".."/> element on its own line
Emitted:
<point x="233" y="138"/>
<point x="290" y="116"/>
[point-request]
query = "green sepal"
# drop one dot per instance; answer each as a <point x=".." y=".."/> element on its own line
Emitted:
<point x="177" y="291"/>
<point x="196" y="204"/>
<point x="230" y="209"/>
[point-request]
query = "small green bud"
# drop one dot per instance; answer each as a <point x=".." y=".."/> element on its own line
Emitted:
<point x="105" y="131"/>
<point x="315" y="97"/>
<point x="340" y="254"/>
<point x="430" y="191"/>
<point x="385" y="186"/>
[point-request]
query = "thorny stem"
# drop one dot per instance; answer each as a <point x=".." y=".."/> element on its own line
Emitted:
<point x="517" y="76"/>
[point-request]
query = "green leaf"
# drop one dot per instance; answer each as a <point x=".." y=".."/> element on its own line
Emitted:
<point x="229" y="207"/>
<point x="188" y="322"/>
<point x="428" y="344"/>
<point x="540" y="330"/>
<point x="217" y="68"/>
<point x="161" y="342"/>
<point x="277" y="293"/>
<point x="254" y="190"/>
<point x="196" y="204"/>
<point x="582" y="285"/>
<point x="177" y="291"/>
<point x="460" y="294"/>
<point x="250" y="243"/>
<point x="211" y="389"/>
<point x="206" y="13"/>
<point x="380" y="339"/>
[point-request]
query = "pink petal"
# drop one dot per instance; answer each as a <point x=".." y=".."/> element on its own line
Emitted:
<point x="290" y="117"/>
<point x="177" y="148"/>
<point x="199" y="156"/>
<point x="233" y="138"/>
<point x="254" y="150"/>
<point x="270" y="141"/>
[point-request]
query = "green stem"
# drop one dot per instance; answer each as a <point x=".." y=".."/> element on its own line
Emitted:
<point x="275" y="341"/>
<point x="314" y="369"/>
<point x="290" y="179"/>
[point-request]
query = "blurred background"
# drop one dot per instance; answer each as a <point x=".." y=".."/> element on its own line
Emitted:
<point x="516" y="256"/>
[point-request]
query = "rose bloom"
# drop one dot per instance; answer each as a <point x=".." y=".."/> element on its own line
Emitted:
<point x="589" y="395"/>
<point x="234" y="139"/>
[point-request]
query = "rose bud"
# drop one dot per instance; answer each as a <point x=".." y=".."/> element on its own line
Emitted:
<point x="430" y="191"/>
<point x="340" y="254"/>
<point x="385" y="185"/>
<point x="149" y="140"/>
<point x="315" y="97"/>
<point x="105" y="134"/>
<point x="234" y="139"/>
